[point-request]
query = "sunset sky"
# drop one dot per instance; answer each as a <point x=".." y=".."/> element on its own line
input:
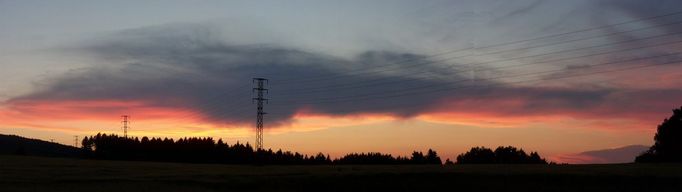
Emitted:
<point x="558" y="77"/>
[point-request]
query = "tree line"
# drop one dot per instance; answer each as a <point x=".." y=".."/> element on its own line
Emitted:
<point x="431" y="157"/>
<point x="667" y="148"/>
<point x="207" y="150"/>
<point x="501" y="155"/>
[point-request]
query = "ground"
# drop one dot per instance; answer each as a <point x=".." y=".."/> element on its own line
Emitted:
<point x="21" y="173"/>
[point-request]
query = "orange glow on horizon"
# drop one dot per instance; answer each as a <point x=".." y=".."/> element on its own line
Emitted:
<point x="64" y="115"/>
<point x="89" y="109"/>
<point x="304" y="121"/>
<point x="317" y="132"/>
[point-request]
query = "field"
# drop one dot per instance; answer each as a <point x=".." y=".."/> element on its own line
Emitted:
<point x="20" y="173"/>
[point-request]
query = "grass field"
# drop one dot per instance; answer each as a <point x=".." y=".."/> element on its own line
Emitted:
<point x="20" y="173"/>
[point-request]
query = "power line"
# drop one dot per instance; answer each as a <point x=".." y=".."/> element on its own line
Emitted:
<point x="215" y="106"/>
<point x="519" y="41"/>
<point x="354" y="98"/>
<point x="509" y="43"/>
<point x="231" y="112"/>
<point x="378" y="82"/>
<point x="522" y="64"/>
<point x="214" y="97"/>
<point x="369" y="96"/>
<point x="235" y="109"/>
<point x="397" y="67"/>
<point x="498" y="45"/>
<point x="442" y="91"/>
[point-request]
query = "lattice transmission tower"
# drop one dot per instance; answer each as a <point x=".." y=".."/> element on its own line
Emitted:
<point x="259" y="99"/>
<point x="75" y="141"/>
<point x="126" y="121"/>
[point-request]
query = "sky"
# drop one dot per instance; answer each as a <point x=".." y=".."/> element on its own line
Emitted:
<point x="558" y="77"/>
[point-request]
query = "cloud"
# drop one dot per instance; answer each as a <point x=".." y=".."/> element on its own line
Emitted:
<point x="521" y="11"/>
<point x="625" y="154"/>
<point x="634" y="9"/>
<point x="191" y="68"/>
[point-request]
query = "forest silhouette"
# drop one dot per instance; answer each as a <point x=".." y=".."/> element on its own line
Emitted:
<point x="667" y="148"/>
<point x="501" y="155"/>
<point x="207" y="150"/>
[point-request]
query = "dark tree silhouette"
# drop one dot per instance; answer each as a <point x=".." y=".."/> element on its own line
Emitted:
<point x="501" y="155"/>
<point x="378" y="158"/>
<point x="207" y="150"/>
<point x="449" y="162"/>
<point x="477" y="155"/>
<point x="668" y="141"/>
<point x="367" y="159"/>
<point x="432" y="157"/>
<point x="190" y="150"/>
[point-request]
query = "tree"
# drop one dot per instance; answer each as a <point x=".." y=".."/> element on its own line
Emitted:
<point x="536" y="159"/>
<point x="418" y="157"/>
<point x="668" y="141"/>
<point x="207" y="150"/>
<point x="501" y="155"/>
<point x="432" y="157"/>
<point x="510" y="155"/>
<point x="448" y="162"/>
<point x="477" y="155"/>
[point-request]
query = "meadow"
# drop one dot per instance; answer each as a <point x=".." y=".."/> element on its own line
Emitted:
<point x="25" y="173"/>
